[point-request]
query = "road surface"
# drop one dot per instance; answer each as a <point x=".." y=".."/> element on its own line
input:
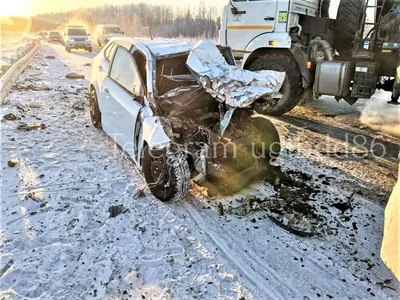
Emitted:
<point x="316" y="236"/>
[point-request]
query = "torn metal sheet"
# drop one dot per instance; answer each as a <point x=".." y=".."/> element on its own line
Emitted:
<point x="236" y="87"/>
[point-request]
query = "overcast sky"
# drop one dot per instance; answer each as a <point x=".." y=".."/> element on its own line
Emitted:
<point x="33" y="7"/>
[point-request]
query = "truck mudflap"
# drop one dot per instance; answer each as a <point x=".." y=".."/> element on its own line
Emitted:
<point x="302" y="62"/>
<point x="390" y="251"/>
<point x="396" y="87"/>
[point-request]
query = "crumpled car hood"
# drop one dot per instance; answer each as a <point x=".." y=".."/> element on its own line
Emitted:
<point x="235" y="87"/>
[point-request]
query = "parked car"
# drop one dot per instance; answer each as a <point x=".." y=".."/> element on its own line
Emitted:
<point x="105" y="32"/>
<point x="55" y="37"/>
<point x="162" y="102"/>
<point x="76" y="37"/>
<point x="42" y="36"/>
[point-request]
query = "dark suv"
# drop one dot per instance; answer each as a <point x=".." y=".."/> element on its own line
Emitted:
<point x="55" y="37"/>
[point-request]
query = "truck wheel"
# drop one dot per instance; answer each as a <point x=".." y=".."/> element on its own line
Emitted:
<point x="292" y="89"/>
<point x="348" y="22"/>
<point x="167" y="173"/>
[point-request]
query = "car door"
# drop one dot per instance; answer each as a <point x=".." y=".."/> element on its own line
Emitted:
<point x="103" y="64"/>
<point x="124" y="91"/>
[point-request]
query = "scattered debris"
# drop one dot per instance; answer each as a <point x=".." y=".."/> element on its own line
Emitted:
<point x="31" y="126"/>
<point x="12" y="163"/>
<point x="74" y="75"/>
<point x="117" y="210"/>
<point x="30" y="87"/>
<point x="6" y="267"/>
<point x="33" y="197"/>
<point x="50" y="57"/>
<point x="78" y="106"/>
<point x="9" y="117"/>
<point x="220" y="209"/>
<point x="139" y="193"/>
<point x="21" y="107"/>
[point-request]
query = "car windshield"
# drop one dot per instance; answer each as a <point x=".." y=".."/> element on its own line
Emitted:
<point x="107" y="30"/>
<point x="54" y="33"/>
<point x="42" y="33"/>
<point x="77" y="31"/>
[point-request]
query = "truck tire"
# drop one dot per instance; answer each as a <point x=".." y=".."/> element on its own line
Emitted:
<point x="292" y="89"/>
<point x="348" y="22"/>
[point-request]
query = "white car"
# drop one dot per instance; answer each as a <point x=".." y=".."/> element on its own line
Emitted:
<point x="162" y="104"/>
<point x="105" y="32"/>
<point x="76" y="37"/>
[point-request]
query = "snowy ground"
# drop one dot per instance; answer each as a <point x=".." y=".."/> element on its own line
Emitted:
<point x="58" y="240"/>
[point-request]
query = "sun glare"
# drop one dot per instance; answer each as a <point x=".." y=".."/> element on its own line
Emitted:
<point x="15" y="8"/>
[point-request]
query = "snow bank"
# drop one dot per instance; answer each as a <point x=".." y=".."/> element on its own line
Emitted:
<point x="12" y="67"/>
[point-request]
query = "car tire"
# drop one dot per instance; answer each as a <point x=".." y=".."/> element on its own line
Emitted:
<point x="68" y="49"/>
<point x="167" y="173"/>
<point x="292" y="89"/>
<point x="98" y="43"/>
<point x="90" y="49"/>
<point x="95" y="113"/>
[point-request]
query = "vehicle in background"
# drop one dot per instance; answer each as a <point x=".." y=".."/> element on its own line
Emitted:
<point x="299" y="38"/>
<point x="42" y="36"/>
<point x="153" y="99"/>
<point x="76" y="37"/>
<point x="55" y="37"/>
<point x="104" y="32"/>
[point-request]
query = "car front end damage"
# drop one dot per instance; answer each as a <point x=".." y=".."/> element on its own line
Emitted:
<point x="206" y="107"/>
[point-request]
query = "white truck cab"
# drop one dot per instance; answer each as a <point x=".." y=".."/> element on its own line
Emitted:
<point x="272" y="35"/>
<point x="104" y="32"/>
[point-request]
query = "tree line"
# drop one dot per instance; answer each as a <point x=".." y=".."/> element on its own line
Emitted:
<point x="138" y="20"/>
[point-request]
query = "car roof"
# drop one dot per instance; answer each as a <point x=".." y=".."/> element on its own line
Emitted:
<point x="160" y="48"/>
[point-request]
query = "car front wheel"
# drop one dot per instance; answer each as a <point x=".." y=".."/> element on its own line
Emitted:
<point x="167" y="173"/>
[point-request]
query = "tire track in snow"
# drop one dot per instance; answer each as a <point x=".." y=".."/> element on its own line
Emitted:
<point x="250" y="273"/>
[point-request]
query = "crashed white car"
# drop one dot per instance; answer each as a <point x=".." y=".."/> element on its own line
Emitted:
<point x="183" y="111"/>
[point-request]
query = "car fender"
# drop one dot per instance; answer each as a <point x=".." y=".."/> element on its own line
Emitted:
<point x="154" y="133"/>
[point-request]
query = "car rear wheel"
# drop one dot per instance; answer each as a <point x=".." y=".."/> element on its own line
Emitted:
<point x="68" y="49"/>
<point x="167" y="173"/>
<point x="95" y="114"/>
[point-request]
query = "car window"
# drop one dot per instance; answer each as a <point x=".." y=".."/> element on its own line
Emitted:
<point x="124" y="72"/>
<point x="109" y="51"/>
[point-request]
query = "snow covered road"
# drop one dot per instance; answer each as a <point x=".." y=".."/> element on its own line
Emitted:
<point x="60" y="241"/>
